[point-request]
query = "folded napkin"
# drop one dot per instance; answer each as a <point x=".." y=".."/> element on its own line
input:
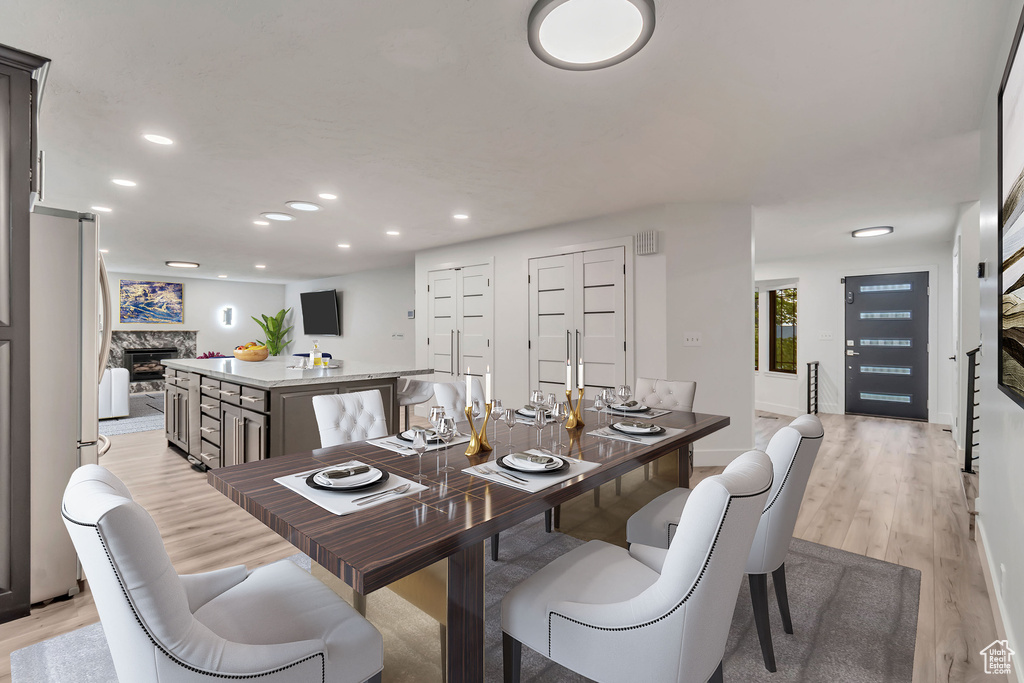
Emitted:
<point x="650" y="414"/>
<point x="393" y="443"/>
<point x="609" y="433"/>
<point x="533" y="482"/>
<point x="343" y="502"/>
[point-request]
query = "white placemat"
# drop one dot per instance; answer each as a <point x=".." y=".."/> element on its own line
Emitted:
<point x="652" y="413"/>
<point x="393" y="443"/>
<point x="609" y="433"/>
<point x="342" y="502"/>
<point x="533" y="482"/>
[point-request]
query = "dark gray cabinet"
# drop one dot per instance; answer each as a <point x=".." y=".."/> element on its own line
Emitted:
<point x="243" y="435"/>
<point x="176" y="422"/>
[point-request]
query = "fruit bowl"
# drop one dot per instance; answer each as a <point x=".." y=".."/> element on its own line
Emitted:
<point x="252" y="354"/>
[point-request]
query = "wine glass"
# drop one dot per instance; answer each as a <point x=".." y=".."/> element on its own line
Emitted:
<point x="496" y="411"/>
<point x="559" y="414"/>
<point x="540" y="420"/>
<point x="536" y="399"/>
<point x="510" y="420"/>
<point x="599" y="405"/>
<point x="549" y="405"/>
<point x="436" y="415"/>
<point x="446" y="432"/>
<point x="419" y="445"/>
<point x="624" y="392"/>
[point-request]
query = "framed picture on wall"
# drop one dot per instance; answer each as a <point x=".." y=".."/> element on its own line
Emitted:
<point x="1011" y="225"/>
<point x="141" y="301"/>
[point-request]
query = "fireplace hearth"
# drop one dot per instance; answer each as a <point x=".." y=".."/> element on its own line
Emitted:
<point x="144" y="364"/>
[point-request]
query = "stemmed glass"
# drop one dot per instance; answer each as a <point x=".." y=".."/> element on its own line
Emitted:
<point x="419" y="445"/>
<point x="609" y="401"/>
<point x="559" y="414"/>
<point x="496" y="411"/>
<point x="624" y="392"/>
<point x="540" y="420"/>
<point x="599" y="405"/>
<point x="436" y="415"/>
<point x="549" y="404"/>
<point x="446" y="432"/>
<point x="536" y="399"/>
<point x="510" y="420"/>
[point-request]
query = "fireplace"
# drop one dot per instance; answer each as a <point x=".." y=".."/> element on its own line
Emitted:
<point x="144" y="364"/>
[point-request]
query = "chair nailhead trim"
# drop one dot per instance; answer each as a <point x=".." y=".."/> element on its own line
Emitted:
<point x="791" y="464"/>
<point x="323" y="664"/>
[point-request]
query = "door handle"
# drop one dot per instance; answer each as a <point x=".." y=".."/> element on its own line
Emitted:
<point x="451" y="353"/>
<point x="458" y="340"/>
<point x="852" y="353"/>
<point x="952" y="357"/>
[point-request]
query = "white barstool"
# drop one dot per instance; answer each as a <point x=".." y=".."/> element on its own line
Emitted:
<point x="412" y="392"/>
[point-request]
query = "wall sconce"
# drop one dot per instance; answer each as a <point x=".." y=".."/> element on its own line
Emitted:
<point x="226" y="316"/>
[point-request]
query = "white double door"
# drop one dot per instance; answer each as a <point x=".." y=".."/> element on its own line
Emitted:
<point x="578" y="310"/>
<point x="461" y="312"/>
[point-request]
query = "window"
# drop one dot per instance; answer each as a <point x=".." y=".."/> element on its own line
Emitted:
<point x="756" y="321"/>
<point x="782" y="344"/>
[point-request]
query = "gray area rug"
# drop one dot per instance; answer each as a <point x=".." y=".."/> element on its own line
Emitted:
<point x="854" y="618"/>
<point x="145" y="414"/>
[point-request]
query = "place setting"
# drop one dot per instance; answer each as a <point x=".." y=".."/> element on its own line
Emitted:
<point x="617" y="402"/>
<point x="349" y="487"/>
<point x="532" y="470"/>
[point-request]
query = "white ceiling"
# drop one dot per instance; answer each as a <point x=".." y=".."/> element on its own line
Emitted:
<point x="412" y="110"/>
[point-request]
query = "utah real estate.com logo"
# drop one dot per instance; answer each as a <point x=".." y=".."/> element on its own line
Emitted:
<point x="998" y="658"/>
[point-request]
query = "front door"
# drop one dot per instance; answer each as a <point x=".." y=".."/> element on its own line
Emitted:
<point x="887" y="345"/>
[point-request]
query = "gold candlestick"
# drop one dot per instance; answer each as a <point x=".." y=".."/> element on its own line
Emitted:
<point x="570" y="422"/>
<point x="478" y="441"/>
<point x="485" y="445"/>
<point x="579" y="411"/>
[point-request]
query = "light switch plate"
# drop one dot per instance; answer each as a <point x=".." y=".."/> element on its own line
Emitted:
<point x="691" y="339"/>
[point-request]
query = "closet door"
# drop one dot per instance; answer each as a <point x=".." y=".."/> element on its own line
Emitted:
<point x="442" y="312"/>
<point x="601" y="293"/>
<point x="552" y="321"/>
<point x="475" y="314"/>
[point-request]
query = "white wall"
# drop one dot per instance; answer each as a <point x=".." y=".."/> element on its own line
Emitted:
<point x="820" y="312"/>
<point x="374" y="306"/>
<point x="700" y="282"/>
<point x="1000" y="504"/>
<point x="203" y="302"/>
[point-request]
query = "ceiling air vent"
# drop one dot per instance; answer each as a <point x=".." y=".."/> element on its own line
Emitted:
<point x="646" y="243"/>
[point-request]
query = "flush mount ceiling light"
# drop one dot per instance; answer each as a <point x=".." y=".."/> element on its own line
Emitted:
<point x="583" y="35"/>
<point x="873" y="232"/>
<point x="276" y="216"/>
<point x="104" y="251"/>
<point x="393" y="233"/>
<point x="124" y="183"/>
<point x="181" y="264"/>
<point x="260" y="265"/>
<point x="261" y="222"/>
<point x="344" y="246"/>
<point x="101" y="209"/>
<point x="158" y="139"/>
<point x="303" y="206"/>
<point x="222" y="276"/>
<point x="461" y="216"/>
<point x="327" y="195"/>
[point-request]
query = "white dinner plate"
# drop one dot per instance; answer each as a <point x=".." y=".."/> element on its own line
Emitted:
<point x="355" y="481"/>
<point x="636" y="427"/>
<point x="638" y="408"/>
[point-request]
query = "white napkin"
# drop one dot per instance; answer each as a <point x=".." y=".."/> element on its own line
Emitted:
<point x="343" y="502"/>
<point x="609" y="433"/>
<point x="533" y="482"/>
<point x="393" y="443"/>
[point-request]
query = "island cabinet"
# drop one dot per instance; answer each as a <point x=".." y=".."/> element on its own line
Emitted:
<point x="219" y="413"/>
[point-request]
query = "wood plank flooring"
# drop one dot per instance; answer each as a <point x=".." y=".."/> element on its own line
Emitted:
<point x="883" y="488"/>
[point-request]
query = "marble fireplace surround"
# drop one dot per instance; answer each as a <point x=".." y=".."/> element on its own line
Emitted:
<point x="183" y="340"/>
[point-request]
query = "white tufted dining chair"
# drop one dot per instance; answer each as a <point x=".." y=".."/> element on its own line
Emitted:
<point x="452" y="397"/>
<point x="608" y="615"/>
<point x="275" y="623"/>
<point x="665" y="393"/>
<point x="355" y="416"/>
<point x="792" y="450"/>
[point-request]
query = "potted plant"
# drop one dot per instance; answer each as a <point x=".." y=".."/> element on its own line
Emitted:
<point x="274" y="331"/>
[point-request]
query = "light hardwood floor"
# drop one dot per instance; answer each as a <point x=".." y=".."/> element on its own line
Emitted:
<point x="883" y="488"/>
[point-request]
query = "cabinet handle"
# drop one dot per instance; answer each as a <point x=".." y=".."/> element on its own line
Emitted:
<point x="253" y="399"/>
<point x="208" y="406"/>
<point x="208" y="430"/>
<point x="228" y="393"/>
<point x="208" y="386"/>
<point x="238" y="438"/>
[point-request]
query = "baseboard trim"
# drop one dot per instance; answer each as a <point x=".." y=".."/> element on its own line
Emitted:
<point x="1003" y="628"/>
<point x="777" y="408"/>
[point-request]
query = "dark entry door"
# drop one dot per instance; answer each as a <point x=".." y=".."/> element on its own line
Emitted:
<point x="887" y="345"/>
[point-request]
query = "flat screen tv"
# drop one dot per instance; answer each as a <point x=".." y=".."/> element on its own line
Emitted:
<point x="320" y="314"/>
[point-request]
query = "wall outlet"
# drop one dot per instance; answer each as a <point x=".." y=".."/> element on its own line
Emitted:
<point x="824" y="336"/>
<point x="691" y="339"/>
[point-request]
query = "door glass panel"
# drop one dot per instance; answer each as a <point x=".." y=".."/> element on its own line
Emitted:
<point x="906" y="343"/>
<point x="885" y="315"/>
<point x="888" y="398"/>
<point x="905" y="287"/>
<point x="884" y="370"/>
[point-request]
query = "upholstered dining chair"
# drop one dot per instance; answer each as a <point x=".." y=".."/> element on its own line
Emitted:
<point x="275" y="623"/>
<point x="645" y="614"/>
<point x="792" y="450"/>
<point x="413" y="392"/>
<point x="355" y="416"/>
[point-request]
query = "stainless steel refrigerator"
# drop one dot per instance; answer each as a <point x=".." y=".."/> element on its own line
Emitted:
<point x="70" y="301"/>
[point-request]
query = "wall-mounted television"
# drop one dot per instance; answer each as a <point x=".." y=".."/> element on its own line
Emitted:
<point x="321" y="314"/>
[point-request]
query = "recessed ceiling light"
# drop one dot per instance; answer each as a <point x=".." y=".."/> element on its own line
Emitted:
<point x="124" y="183"/>
<point x="277" y="216"/>
<point x="260" y="265"/>
<point x="303" y="206"/>
<point x="262" y="222"/>
<point x="873" y="232"/>
<point x="158" y="139"/>
<point x="393" y="233"/>
<point x="222" y="276"/>
<point x="461" y="216"/>
<point x="345" y="246"/>
<point x="582" y="35"/>
<point x="327" y="195"/>
<point x="104" y="251"/>
<point x="181" y="264"/>
<point x="101" y="209"/>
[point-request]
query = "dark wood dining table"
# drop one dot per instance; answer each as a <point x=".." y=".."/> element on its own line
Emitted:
<point x="450" y="519"/>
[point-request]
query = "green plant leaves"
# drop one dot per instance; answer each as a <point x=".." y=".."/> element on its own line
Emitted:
<point x="272" y="328"/>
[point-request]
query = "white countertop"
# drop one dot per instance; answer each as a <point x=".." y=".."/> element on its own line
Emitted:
<point x="273" y="372"/>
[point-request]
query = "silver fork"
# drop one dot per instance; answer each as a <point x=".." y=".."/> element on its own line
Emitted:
<point x="619" y="435"/>
<point x="511" y="477"/>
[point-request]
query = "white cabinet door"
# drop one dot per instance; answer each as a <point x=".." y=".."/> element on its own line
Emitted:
<point x="552" y="321"/>
<point x="442" y="314"/>
<point x="461" y="321"/>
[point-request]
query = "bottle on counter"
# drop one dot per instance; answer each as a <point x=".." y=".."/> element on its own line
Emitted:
<point x="315" y="356"/>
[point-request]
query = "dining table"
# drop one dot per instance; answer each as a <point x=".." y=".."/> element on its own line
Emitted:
<point x="450" y="518"/>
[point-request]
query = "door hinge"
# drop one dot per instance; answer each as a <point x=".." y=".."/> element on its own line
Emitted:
<point x="428" y="341"/>
<point x="623" y="346"/>
<point x="842" y="280"/>
<point x="488" y="282"/>
<point x="428" y="288"/>
<point x="488" y="343"/>
<point x="528" y="280"/>
<point x="928" y="290"/>
<point x="623" y="268"/>
<point x="529" y="344"/>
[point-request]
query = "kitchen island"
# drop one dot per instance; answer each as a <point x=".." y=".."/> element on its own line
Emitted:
<point x="224" y="411"/>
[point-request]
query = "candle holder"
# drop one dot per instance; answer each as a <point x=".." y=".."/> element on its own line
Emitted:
<point x="579" y="410"/>
<point x="478" y="441"/>
<point x="575" y="419"/>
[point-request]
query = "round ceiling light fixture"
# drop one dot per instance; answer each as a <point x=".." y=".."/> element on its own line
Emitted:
<point x="303" y="206"/>
<point x="877" y="231"/>
<point x="158" y="139"/>
<point x="327" y="195"/>
<point x="261" y="222"/>
<point x="277" y="216"/>
<point x="344" y="246"/>
<point x="584" y="35"/>
<point x="124" y="183"/>
<point x="101" y="209"/>
<point x="181" y="264"/>
<point x="461" y="216"/>
<point x="222" y="276"/>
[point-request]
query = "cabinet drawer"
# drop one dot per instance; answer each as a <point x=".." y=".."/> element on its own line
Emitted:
<point x="209" y="387"/>
<point x="210" y="406"/>
<point x="209" y="454"/>
<point x="254" y="399"/>
<point x="230" y="393"/>
<point x="210" y="429"/>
